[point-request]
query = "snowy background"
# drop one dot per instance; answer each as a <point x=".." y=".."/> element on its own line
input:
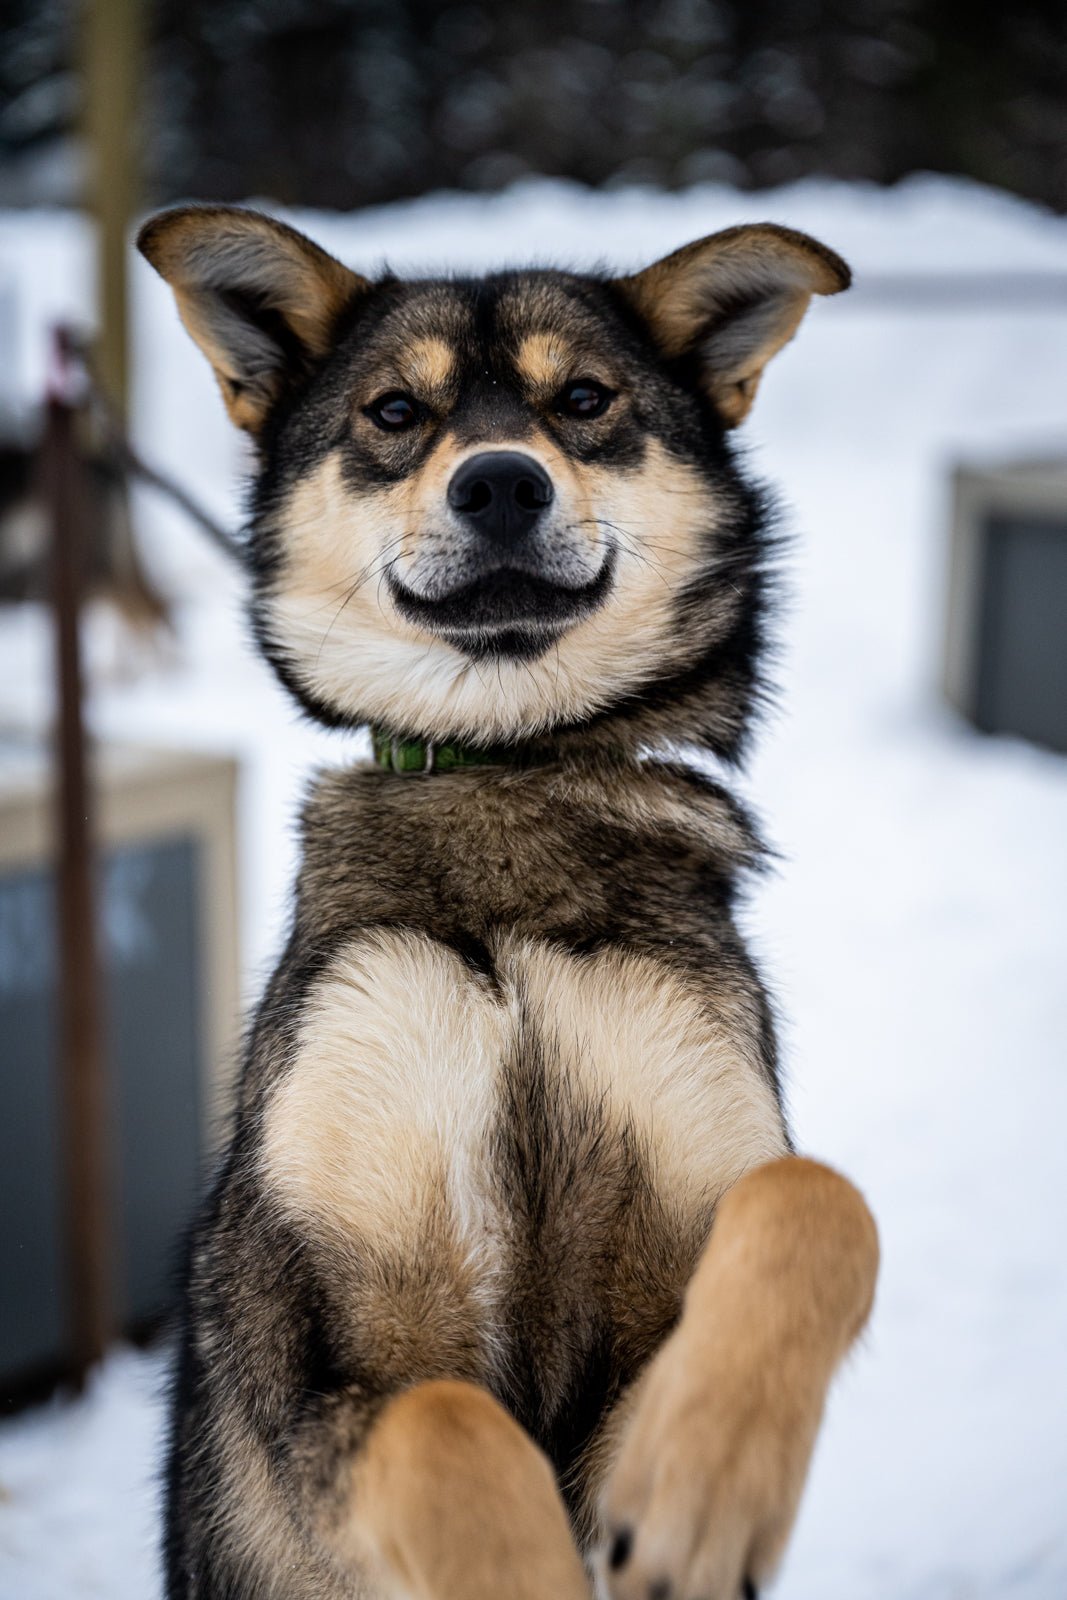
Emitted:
<point x="916" y="934"/>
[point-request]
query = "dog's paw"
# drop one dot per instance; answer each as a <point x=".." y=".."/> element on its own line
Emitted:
<point x="708" y="1478"/>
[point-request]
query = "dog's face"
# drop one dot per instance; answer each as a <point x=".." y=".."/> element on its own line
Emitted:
<point x="491" y="508"/>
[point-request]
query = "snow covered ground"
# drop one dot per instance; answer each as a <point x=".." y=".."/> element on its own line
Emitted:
<point x="916" y="934"/>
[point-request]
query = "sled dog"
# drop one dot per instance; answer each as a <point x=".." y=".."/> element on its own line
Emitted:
<point x="511" y="1282"/>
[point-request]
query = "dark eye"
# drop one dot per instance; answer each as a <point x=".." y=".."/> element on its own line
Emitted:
<point x="394" y="412"/>
<point x="584" y="399"/>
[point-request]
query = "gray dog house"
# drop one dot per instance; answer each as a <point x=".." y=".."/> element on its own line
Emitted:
<point x="1006" y="643"/>
<point x="167" y="909"/>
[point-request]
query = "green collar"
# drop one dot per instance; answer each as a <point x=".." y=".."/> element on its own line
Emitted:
<point x="423" y="756"/>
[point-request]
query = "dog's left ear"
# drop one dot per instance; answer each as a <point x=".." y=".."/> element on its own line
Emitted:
<point x="261" y="300"/>
<point x="733" y="300"/>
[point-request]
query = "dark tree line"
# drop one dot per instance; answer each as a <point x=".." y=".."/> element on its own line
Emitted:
<point x="332" y="104"/>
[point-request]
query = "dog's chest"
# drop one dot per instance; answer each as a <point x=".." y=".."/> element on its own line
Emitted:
<point x="429" y="1102"/>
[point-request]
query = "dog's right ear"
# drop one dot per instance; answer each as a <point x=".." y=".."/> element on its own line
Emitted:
<point x="261" y="301"/>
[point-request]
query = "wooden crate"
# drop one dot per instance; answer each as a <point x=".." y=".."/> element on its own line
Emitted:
<point x="168" y="909"/>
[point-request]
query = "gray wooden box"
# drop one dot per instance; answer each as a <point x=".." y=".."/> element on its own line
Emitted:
<point x="167" y="902"/>
<point x="1005" y="662"/>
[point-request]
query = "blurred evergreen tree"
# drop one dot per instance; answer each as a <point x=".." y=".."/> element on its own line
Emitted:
<point x="341" y="103"/>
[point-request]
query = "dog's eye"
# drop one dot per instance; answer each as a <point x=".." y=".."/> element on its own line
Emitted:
<point x="584" y="399"/>
<point x="394" y="412"/>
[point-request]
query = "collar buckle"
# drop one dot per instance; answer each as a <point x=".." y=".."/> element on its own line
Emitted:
<point x="403" y="754"/>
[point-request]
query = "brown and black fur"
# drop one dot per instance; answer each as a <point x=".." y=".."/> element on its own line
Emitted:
<point x="561" y="913"/>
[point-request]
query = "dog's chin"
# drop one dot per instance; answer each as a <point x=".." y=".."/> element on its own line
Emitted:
<point x="504" y="614"/>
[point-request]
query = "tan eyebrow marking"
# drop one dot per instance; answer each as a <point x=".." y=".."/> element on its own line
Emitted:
<point x="428" y="365"/>
<point x="544" y="360"/>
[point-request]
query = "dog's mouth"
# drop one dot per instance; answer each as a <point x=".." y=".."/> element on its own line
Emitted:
<point x="505" y="612"/>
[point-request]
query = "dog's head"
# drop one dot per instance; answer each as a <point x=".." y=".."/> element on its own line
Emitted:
<point x="489" y="509"/>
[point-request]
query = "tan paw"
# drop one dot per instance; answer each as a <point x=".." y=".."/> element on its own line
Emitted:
<point x="708" y="1477"/>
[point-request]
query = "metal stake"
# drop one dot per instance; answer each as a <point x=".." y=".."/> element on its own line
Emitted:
<point x="83" y="1098"/>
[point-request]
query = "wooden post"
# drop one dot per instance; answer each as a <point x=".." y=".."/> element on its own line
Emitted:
<point x="111" y="56"/>
<point x="82" y="1086"/>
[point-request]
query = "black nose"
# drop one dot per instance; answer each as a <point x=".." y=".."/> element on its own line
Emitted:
<point x="501" y="492"/>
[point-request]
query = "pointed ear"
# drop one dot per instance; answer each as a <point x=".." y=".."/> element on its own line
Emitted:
<point x="261" y="301"/>
<point x="733" y="300"/>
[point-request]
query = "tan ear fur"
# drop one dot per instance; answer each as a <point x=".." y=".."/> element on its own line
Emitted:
<point x="734" y="299"/>
<point x="259" y="298"/>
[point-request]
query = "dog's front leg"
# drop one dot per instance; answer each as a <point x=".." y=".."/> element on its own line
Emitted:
<point x="712" y="1462"/>
<point x="448" y="1499"/>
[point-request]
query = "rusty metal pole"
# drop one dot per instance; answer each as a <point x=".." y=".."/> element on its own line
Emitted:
<point x="82" y="1085"/>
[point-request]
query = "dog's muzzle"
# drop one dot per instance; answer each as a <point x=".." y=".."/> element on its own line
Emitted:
<point x="505" y="581"/>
